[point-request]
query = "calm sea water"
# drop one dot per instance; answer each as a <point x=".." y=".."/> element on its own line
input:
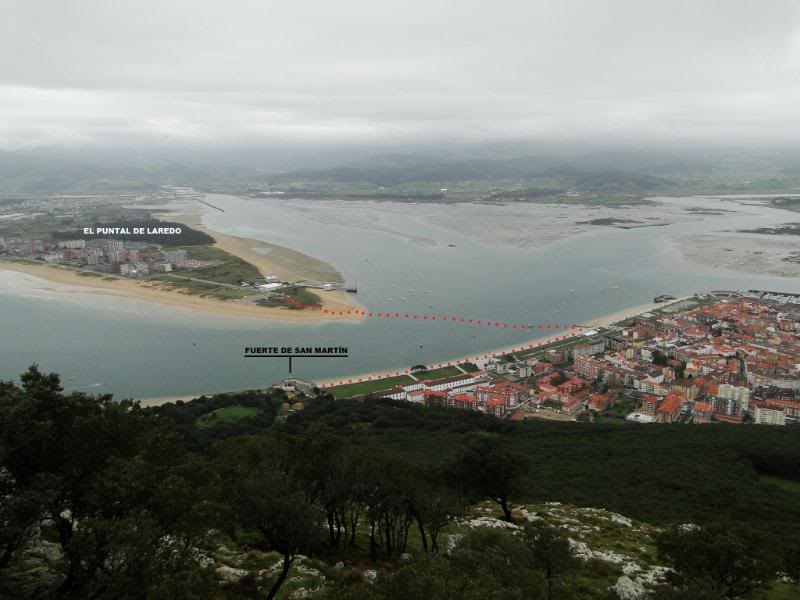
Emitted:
<point x="138" y="350"/>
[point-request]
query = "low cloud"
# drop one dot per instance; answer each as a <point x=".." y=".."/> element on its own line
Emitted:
<point x="213" y="74"/>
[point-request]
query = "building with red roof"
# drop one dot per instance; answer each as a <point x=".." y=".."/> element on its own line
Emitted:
<point x="436" y="398"/>
<point x="465" y="402"/>
<point x="649" y="404"/>
<point x="701" y="412"/>
<point x="599" y="402"/>
<point x="496" y="405"/>
<point x="669" y="410"/>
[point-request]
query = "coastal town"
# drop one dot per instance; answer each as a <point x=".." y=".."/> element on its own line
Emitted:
<point x="126" y="258"/>
<point x="117" y="243"/>
<point x="725" y="357"/>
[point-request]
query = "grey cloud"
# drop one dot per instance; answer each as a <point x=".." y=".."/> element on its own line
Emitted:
<point x="233" y="73"/>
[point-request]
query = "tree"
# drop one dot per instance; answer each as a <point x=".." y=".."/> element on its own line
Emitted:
<point x="714" y="561"/>
<point x="660" y="359"/>
<point x="487" y="564"/>
<point x="386" y="509"/>
<point x="265" y="496"/>
<point x="550" y="551"/>
<point x="108" y="476"/>
<point x="485" y="467"/>
<point x="431" y="503"/>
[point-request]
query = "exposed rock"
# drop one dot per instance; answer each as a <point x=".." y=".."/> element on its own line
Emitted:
<point x="631" y="568"/>
<point x="50" y="551"/>
<point x="582" y="551"/>
<point x="653" y="576"/>
<point x="627" y="589"/>
<point x="530" y="516"/>
<point x="230" y="574"/>
<point x="491" y="522"/>
<point x="370" y="575"/>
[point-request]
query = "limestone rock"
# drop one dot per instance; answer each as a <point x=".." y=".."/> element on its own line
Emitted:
<point x="627" y="589"/>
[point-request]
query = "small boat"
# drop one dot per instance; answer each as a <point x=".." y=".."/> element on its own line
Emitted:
<point x="431" y="306"/>
<point x="452" y="245"/>
<point x="403" y="300"/>
<point x="572" y="291"/>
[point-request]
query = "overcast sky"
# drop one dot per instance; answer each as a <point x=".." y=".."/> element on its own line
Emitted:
<point x="233" y="73"/>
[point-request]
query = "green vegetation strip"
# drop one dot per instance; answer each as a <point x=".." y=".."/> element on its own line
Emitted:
<point x="294" y="297"/>
<point x="366" y="387"/>
<point x="229" y="269"/>
<point x="438" y="373"/>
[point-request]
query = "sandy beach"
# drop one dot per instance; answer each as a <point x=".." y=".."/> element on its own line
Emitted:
<point x="336" y="305"/>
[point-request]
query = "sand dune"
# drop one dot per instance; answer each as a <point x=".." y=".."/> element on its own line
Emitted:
<point x="269" y="259"/>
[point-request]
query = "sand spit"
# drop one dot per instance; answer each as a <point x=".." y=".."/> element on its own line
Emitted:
<point x="337" y="304"/>
<point x="269" y="259"/>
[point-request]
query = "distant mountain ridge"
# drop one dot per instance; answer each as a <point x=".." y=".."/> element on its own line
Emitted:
<point x="612" y="171"/>
<point x="26" y="173"/>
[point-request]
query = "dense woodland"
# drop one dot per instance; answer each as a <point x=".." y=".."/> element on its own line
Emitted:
<point x="130" y="497"/>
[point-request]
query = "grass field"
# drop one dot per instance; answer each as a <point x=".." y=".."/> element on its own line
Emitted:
<point x="226" y="415"/>
<point x="288" y="297"/>
<point x="623" y="406"/>
<point x="231" y="269"/>
<point x="365" y="387"/>
<point x="438" y="373"/>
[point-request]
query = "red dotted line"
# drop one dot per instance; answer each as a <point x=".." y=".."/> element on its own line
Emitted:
<point x="425" y="317"/>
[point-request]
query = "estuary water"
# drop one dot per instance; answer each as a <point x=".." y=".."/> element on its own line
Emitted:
<point x="400" y="262"/>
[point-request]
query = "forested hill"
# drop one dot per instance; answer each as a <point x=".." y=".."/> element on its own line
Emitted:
<point x="258" y="494"/>
<point x="662" y="474"/>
